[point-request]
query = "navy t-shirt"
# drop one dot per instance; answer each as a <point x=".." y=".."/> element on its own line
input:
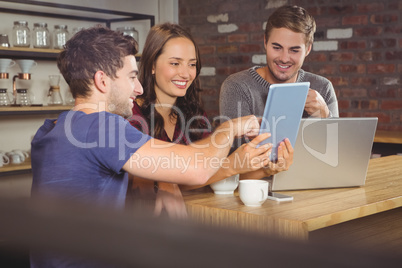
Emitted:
<point x="81" y="157"/>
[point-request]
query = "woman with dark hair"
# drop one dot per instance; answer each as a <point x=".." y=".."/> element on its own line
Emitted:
<point x="170" y="108"/>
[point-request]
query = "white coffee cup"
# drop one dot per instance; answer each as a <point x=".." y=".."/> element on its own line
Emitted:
<point x="4" y="159"/>
<point x="253" y="193"/>
<point x="21" y="152"/>
<point x="26" y="65"/>
<point x="5" y="64"/>
<point x="226" y="186"/>
<point x="16" y="157"/>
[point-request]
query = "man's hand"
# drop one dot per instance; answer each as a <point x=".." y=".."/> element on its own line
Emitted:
<point x="243" y="126"/>
<point x="285" y="159"/>
<point x="315" y="105"/>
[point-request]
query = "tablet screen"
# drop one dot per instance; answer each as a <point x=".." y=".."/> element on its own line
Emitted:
<point x="283" y="112"/>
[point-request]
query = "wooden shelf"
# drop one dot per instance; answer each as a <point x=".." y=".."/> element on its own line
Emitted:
<point x="36" y="53"/>
<point x="14" y="169"/>
<point x="18" y="110"/>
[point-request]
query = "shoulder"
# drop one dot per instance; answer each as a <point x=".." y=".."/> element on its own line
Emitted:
<point x="240" y="76"/>
<point x="240" y="81"/>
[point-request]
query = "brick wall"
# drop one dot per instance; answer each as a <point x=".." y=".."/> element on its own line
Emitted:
<point x="358" y="46"/>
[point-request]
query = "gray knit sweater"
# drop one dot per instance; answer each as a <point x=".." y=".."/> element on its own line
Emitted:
<point x="246" y="92"/>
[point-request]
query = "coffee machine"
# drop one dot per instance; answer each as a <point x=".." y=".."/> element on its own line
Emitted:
<point x="25" y="66"/>
<point x="4" y="65"/>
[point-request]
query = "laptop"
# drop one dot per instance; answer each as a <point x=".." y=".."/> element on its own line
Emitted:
<point x="329" y="153"/>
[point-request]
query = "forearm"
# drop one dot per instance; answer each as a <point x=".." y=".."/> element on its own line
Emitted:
<point x="221" y="174"/>
<point x="193" y="164"/>
<point x="255" y="175"/>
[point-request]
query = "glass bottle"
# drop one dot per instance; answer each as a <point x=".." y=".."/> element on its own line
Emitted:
<point x="54" y="96"/>
<point x="60" y="36"/>
<point x="21" y="34"/>
<point x="76" y="30"/>
<point x="22" y="98"/>
<point x="41" y="36"/>
<point x="4" y="99"/>
<point x="131" y="31"/>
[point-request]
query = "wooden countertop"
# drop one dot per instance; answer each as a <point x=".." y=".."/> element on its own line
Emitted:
<point x="384" y="136"/>
<point x="311" y="209"/>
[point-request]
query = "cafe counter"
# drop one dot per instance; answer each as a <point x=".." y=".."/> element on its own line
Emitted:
<point x="369" y="216"/>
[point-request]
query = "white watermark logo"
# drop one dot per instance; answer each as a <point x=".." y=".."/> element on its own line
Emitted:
<point x="331" y="154"/>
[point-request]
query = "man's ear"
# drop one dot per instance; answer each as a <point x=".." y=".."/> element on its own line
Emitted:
<point x="309" y="49"/>
<point x="101" y="81"/>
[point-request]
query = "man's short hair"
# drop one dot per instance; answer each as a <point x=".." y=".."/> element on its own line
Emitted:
<point x="91" y="50"/>
<point x="294" y="18"/>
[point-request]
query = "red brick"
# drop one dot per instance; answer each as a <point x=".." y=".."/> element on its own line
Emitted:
<point x="340" y="10"/>
<point x="355" y="20"/>
<point x="208" y="60"/>
<point x="227" y="49"/>
<point x="328" y="21"/>
<point x="222" y="59"/>
<point x="250" y="27"/>
<point x="363" y="81"/>
<point x="369" y="104"/>
<point x="227" y="70"/>
<point x="397" y="29"/>
<point x="369" y="56"/>
<point x="368" y="31"/>
<point x="391" y="104"/>
<point x="370" y="7"/>
<point x="217" y="39"/>
<point x="396" y="5"/>
<point x="250" y="48"/>
<point x="351" y="68"/>
<point x="315" y="11"/>
<point x="237" y="38"/>
<point x="316" y="57"/>
<point x="384" y="18"/>
<point x="239" y="59"/>
<point x="339" y="81"/>
<point x="351" y="114"/>
<point x="383" y="43"/>
<point x="325" y="70"/>
<point x="343" y="104"/>
<point x="225" y="7"/>
<point x="354" y="92"/>
<point x="382" y="117"/>
<point x="257" y="37"/>
<point x="380" y="68"/>
<point x="383" y="93"/>
<point x="207" y="50"/>
<point x="339" y="56"/>
<point x="352" y="44"/>
<point x="393" y="55"/>
<point x="396" y="118"/>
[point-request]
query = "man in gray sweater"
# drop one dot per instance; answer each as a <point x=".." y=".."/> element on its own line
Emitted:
<point x="288" y="40"/>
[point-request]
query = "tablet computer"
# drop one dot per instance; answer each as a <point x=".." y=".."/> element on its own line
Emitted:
<point x="283" y="112"/>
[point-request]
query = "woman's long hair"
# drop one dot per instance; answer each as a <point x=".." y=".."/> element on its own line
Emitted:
<point x="188" y="105"/>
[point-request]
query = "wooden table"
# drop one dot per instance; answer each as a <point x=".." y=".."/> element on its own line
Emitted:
<point x="383" y="136"/>
<point x="369" y="216"/>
